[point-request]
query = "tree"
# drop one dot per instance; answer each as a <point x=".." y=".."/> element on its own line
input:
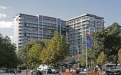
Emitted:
<point x="97" y="44"/>
<point x="107" y="40"/>
<point x="23" y="53"/>
<point x="33" y="55"/>
<point x="119" y="58"/>
<point x="56" y="50"/>
<point x="102" y="59"/>
<point x="112" y="42"/>
<point x="8" y="55"/>
<point x="83" y="59"/>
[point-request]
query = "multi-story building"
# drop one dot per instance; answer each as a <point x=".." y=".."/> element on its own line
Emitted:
<point x="78" y="27"/>
<point x="29" y="27"/>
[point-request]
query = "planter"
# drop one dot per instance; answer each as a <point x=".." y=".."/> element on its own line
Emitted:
<point x="66" y="73"/>
<point x="101" y="73"/>
<point x="92" y="73"/>
<point x="95" y="73"/>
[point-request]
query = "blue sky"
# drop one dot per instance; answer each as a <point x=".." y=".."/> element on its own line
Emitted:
<point x="64" y="9"/>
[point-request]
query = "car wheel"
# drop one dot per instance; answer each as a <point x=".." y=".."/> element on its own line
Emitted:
<point x="118" y="72"/>
<point x="107" y="73"/>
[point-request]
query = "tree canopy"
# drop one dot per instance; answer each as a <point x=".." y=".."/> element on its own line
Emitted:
<point x="8" y="55"/>
<point x="56" y="50"/>
<point x="25" y="54"/>
<point x="33" y="55"/>
<point x="107" y="40"/>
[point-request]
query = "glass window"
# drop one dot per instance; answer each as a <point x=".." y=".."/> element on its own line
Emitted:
<point x="92" y="19"/>
<point x="92" y="29"/>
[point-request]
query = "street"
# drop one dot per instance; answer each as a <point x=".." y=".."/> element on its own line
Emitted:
<point x="24" y="73"/>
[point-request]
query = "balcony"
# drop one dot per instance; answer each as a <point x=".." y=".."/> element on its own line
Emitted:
<point x="21" y="31"/>
<point x="34" y="35"/>
<point x="21" y="42"/>
<point x="21" y="34"/>
<point x="32" y="32"/>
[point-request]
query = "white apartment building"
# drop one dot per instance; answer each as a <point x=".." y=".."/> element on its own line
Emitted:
<point x="78" y="27"/>
<point x="29" y="27"/>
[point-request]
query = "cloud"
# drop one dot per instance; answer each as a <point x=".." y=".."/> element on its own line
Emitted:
<point x="3" y="15"/>
<point x="3" y="7"/>
<point x="6" y="24"/>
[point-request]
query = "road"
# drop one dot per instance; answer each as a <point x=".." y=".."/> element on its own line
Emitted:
<point x="24" y="73"/>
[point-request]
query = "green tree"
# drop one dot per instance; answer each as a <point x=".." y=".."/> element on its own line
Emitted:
<point x="23" y="52"/>
<point x="33" y="55"/>
<point x="56" y="50"/>
<point x="119" y="58"/>
<point x="83" y="59"/>
<point x="7" y="53"/>
<point x="112" y="42"/>
<point x="102" y="59"/>
<point x="107" y="40"/>
<point x="97" y="44"/>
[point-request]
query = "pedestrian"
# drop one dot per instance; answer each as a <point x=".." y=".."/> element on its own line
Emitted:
<point x="15" y="71"/>
<point x="96" y="69"/>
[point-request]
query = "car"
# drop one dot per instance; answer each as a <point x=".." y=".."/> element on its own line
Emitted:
<point x="75" y="71"/>
<point x="18" y="71"/>
<point x="12" y="71"/>
<point x="113" y="70"/>
<point x="2" y="71"/>
<point x="54" y="70"/>
<point x="35" y="72"/>
<point x="49" y="71"/>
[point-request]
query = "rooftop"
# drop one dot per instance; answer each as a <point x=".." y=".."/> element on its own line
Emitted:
<point x="86" y="15"/>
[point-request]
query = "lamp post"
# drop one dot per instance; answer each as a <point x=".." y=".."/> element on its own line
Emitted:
<point x="27" y="62"/>
<point x="27" y="69"/>
<point x="78" y="56"/>
<point x="17" y="64"/>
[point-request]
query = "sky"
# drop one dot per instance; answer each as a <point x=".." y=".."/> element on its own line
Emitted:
<point x="63" y="9"/>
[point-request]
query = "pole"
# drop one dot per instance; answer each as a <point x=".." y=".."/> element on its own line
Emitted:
<point x="86" y="49"/>
<point x="27" y="70"/>
<point x="27" y="63"/>
<point x="17" y="65"/>
<point x="78" y="56"/>
<point x="86" y="57"/>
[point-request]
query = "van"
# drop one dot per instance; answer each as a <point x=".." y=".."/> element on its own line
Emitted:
<point x="46" y="68"/>
<point x="108" y="66"/>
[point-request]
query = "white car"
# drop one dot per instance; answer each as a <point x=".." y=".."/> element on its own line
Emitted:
<point x="2" y="71"/>
<point x="54" y="70"/>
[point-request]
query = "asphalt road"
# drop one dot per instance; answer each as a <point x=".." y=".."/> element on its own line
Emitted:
<point x="24" y="73"/>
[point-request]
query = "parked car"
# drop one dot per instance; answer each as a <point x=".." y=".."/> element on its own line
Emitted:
<point x="75" y="70"/>
<point x="54" y="70"/>
<point x="12" y="71"/>
<point x="35" y="72"/>
<point x="2" y="71"/>
<point x="19" y="71"/>
<point x="49" y="71"/>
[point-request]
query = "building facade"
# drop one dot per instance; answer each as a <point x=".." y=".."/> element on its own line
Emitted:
<point x="29" y="27"/>
<point x="78" y="27"/>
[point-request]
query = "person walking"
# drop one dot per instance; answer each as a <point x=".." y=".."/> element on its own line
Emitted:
<point x="96" y="69"/>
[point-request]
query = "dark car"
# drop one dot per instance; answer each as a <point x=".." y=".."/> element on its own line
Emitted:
<point x="18" y="71"/>
<point x="36" y="72"/>
<point x="49" y="71"/>
<point x="12" y="71"/>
